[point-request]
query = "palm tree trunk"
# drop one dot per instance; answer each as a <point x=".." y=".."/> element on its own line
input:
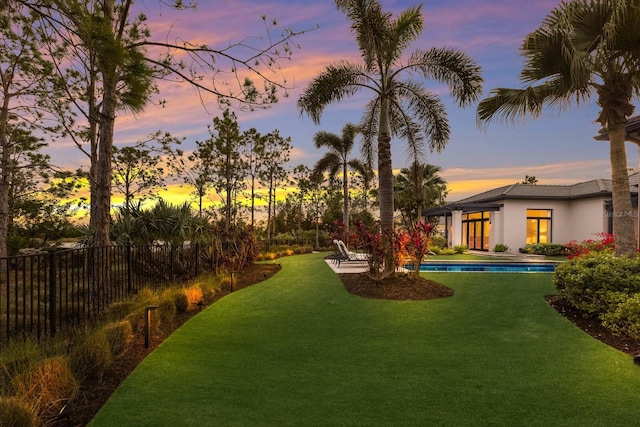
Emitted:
<point x="622" y="209"/>
<point x="345" y="202"/>
<point x="385" y="184"/>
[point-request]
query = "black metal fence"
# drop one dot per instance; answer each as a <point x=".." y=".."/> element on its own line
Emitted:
<point x="43" y="293"/>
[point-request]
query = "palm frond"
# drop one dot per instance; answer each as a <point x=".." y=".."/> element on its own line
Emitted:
<point x="510" y="104"/>
<point x="369" y="128"/>
<point x="362" y="168"/>
<point x="454" y="68"/>
<point x="405" y="29"/>
<point x="370" y="25"/>
<point x="404" y="127"/>
<point x="330" y="162"/>
<point x="334" y="83"/>
<point x="328" y="139"/>
<point x="428" y="111"/>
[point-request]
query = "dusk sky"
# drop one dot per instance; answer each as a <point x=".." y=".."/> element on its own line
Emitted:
<point x="557" y="148"/>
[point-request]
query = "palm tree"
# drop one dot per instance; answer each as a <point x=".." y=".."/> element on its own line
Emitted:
<point x="400" y="107"/>
<point x="583" y="48"/>
<point x="416" y="188"/>
<point x="336" y="159"/>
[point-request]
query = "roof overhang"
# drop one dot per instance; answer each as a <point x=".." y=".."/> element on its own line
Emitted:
<point x="632" y="131"/>
<point x="464" y="207"/>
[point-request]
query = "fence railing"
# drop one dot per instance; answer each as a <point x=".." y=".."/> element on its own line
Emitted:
<point x="43" y="293"/>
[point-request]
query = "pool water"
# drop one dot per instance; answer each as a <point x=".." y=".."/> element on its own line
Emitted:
<point x="491" y="267"/>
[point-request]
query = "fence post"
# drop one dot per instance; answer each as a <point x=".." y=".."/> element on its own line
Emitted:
<point x="52" y="292"/>
<point x="128" y="261"/>
<point x="172" y="273"/>
<point x="197" y="259"/>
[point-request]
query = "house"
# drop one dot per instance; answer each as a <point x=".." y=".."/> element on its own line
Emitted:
<point x="519" y="214"/>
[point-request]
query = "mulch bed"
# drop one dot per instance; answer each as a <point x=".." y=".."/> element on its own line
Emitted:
<point x="400" y="287"/>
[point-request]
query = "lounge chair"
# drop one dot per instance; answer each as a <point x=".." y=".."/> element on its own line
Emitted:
<point x="348" y="256"/>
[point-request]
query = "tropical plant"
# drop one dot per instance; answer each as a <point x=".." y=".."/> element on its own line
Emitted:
<point x="337" y="159"/>
<point x="415" y="243"/>
<point x="416" y="188"/>
<point x="583" y="48"/>
<point x="373" y="242"/>
<point x="399" y="107"/>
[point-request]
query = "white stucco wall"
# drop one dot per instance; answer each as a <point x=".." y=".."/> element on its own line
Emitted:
<point x="571" y="220"/>
<point x="588" y="217"/>
<point x="575" y="220"/>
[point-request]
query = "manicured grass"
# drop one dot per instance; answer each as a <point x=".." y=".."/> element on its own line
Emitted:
<point x="298" y="350"/>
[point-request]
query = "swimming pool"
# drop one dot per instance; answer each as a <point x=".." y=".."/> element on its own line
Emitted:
<point x="490" y="267"/>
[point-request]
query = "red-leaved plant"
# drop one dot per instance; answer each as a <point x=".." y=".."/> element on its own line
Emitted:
<point x="370" y="240"/>
<point x="413" y="245"/>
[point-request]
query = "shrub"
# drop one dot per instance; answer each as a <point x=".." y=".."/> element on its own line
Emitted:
<point x="548" y="249"/>
<point x="438" y="242"/>
<point x="225" y="284"/>
<point x="448" y="251"/>
<point x="16" y="412"/>
<point x="15" y="358"/>
<point x="48" y="387"/>
<point x="194" y="296"/>
<point x="138" y="321"/>
<point x="624" y="318"/>
<point x="460" y="248"/>
<point x="92" y="356"/>
<point x="119" y="336"/>
<point x="144" y="297"/>
<point x="436" y="250"/>
<point x="180" y="301"/>
<point x="119" y="310"/>
<point x="166" y="312"/>
<point x="592" y="282"/>
<point x="500" y="248"/>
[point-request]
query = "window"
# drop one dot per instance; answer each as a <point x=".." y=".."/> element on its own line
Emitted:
<point x="475" y="230"/>
<point x="538" y="226"/>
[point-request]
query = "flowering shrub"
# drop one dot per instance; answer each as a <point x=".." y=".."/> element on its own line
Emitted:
<point x="413" y="245"/>
<point x="605" y="243"/>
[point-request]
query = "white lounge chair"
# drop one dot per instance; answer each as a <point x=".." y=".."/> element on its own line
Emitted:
<point x="348" y="256"/>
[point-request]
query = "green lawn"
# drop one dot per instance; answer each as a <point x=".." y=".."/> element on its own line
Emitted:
<point x="297" y="350"/>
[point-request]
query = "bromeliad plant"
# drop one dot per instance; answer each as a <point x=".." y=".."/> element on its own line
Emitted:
<point x="412" y="246"/>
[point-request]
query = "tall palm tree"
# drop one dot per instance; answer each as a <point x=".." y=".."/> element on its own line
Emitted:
<point x="416" y="188"/>
<point x="583" y="48"/>
<point x="399" y="107"/>
<point x="337" y="159"/>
